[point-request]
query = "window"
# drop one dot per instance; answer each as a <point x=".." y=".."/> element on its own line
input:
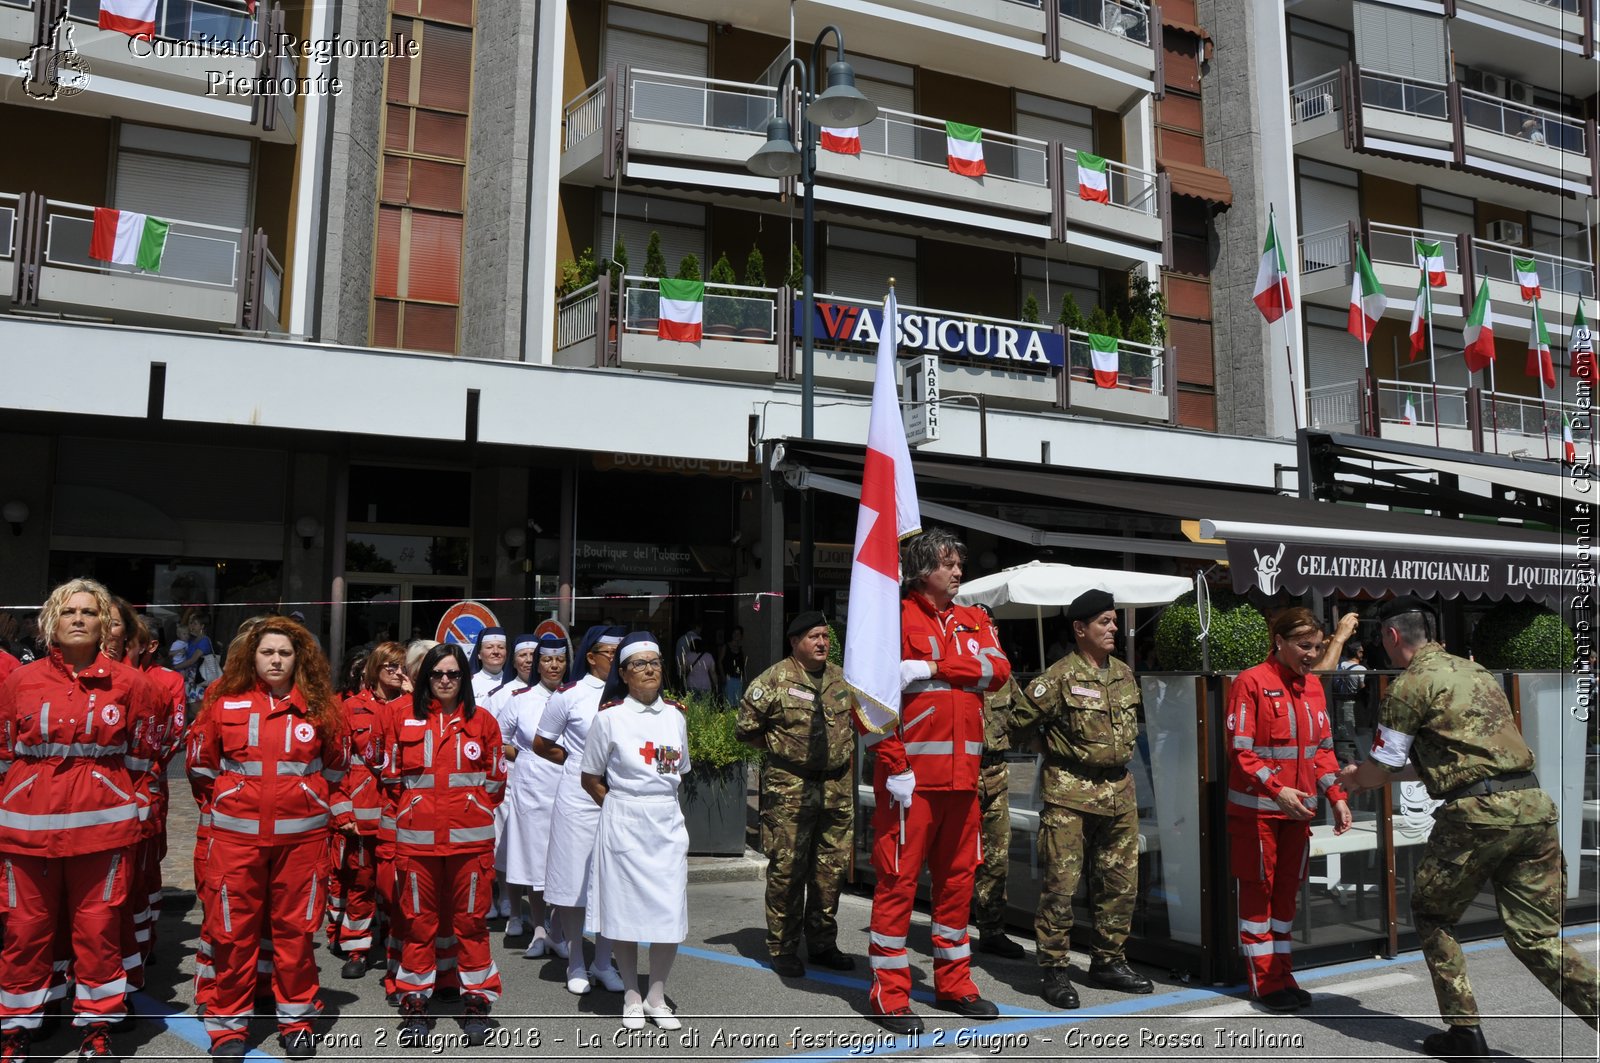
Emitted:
<point x="1051" y="282"/>
<point x="682" y="227"/>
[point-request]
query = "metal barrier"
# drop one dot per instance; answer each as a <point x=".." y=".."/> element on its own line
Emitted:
<point x="1325" y="249"/>
<point x="705" y="103"/>
<point x="1557" y="274"/>
<point x="1397" y="244"/>
<point x="1128" y="186"/>
<point x="1391" y="92"/>
<point x="916" y="138"/>
<point x="725" y="314"/>
<point x="1139" y="366"/>
<point x="584" y="115"/>
<point x="9" y="202"/>
<point x="1336" y="405"/>
<point x="1526" y="415"/>
<point x="195" y="253"/>
<point x="1452" y="403"/>
<point x="1314" y="98"/>
<point x="576" y="315"/>
<point x="1529" y="124"/>
<point x="1122" y="18"/>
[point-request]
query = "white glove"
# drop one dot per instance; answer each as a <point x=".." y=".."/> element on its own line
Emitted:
<point x="900" y="786"/>
<point x="912" y="671"/>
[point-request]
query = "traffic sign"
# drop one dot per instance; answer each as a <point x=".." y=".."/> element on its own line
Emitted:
<point x="463" y="621"/>
<point x="556" y="628"/>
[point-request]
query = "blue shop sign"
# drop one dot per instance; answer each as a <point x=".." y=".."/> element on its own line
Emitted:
<point x="1017" y="347"/>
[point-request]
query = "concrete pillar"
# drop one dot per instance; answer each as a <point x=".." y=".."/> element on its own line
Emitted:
<point x="25" y="555"/>
<point x="306" y="567"/>
<point x="544" y="177"/>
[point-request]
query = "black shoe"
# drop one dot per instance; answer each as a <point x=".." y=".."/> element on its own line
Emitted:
<point x="1281" y="1001"/>
<point x="902" y="1021"/>
<point x="233" y="1048"/>
<point x="475" y="1019"/>
<point x="787" y="966"/>
<point x="96" y="1044"/>
<point x="833" y="960"/>
<point x="355" y="967"/>
<point x="970" y="1007"/>
<point x="1058" y="991"/>
<point x="298" y="1044"/>
<point x="1303" y="996"/>
<point x="1119" y="976"/>
<point x="392" y="998"/>
<point x="997" y="944"/>
<point x="1458" y="1042"/>
<point x="414" y="1024"/>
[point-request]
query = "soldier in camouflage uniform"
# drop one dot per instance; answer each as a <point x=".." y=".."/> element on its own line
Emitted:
<point x="1446" y="722"/>
<point x="994" y="805"/>
<point x="1085" y="709"/>
<point x="799" y="712"/>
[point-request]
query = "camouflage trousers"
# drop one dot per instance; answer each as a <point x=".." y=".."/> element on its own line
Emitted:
<point x="1068" y="839"/>
<point x="807" y="832"/>
<point x="1525" y="866"/>
<point x="989" y="884"/>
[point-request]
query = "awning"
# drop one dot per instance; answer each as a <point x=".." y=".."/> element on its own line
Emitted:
<point x="1540" y="478"/>
<point x="1201" y="182"/>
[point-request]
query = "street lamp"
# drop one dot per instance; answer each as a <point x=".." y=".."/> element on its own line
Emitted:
<point x="841" y="105"/>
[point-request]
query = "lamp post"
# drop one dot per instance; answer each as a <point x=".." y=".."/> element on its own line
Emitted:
<point x="841" y="105"/>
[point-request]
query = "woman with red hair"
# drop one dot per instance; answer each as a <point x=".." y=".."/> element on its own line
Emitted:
<point x="269" y="750"/>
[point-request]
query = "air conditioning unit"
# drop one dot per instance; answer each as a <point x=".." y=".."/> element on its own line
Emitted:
<point x="1519" y="92"/>
<point x="1493" y="84"/>
<point x="1503" y="232"/>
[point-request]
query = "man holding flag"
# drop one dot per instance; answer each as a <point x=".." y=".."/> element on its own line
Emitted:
<point x="919" y="667"/>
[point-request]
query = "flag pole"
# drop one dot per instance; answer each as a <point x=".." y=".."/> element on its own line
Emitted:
<point x="1283" y="282"/>
<point x="1433" y="369"/>
<point x="1544" y="409"/>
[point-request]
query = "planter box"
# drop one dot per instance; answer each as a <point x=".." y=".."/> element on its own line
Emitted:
<point x="714" y="803"/>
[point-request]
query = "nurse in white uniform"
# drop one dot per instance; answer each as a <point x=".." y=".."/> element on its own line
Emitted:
<point x="518" y="677"/>
<point x="488" y="661"/>
<point x="574" y="819"/>
<point x="533" y="783"/>
<point x="636" y="755"/>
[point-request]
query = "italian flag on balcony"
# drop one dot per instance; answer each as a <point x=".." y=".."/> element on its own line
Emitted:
<point x="1431" y="258"/>
<point x="136" y="18"/>
<point x="128" y="239"/>
<point x="1106" y="358"/>
<point x="1410" y="414"/>
<point x="1527" y="277"/>
<point x="1367" y="301"/>
<point x="1539" y="363"/>
<point x="964" y="149"/>
<point x="1479" y="333"/>
<point x="841" y="141"/>
<point x="1581" y="349"/>
<point x="1569" y="452"/>
<point x="1419" y="319"/>
<point x="682" y="310"/>
<point x="1272" y="277"/>
<point x="1092" y="178"/>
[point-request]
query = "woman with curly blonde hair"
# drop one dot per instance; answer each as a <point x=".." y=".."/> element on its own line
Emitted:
<point x="269" y="750"/>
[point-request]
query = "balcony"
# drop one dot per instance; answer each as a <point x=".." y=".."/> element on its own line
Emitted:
<point x="1133" y="210"/>
<point x="1561" y="280"/>
<point x="1521" y="425"/>
<point x="1107" y="38"/>
<point x="1508" y="139"/>
<point x="211" y="277"/>
<point x="1141" y="391"/>
<point x="125" y="80"/>
<point x="1530" y="35"/>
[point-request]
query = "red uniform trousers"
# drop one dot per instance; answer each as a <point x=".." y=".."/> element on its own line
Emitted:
<point x="446" y="899"/>
<point x="942" y="828"/>
<point x="395" y="919"/>
<point x="1269" y="857"/>
<point x="137" y="919"/>
<point x="353" y="891"/>
<point x="255" y="891"/>
<point x="38" y="893"/>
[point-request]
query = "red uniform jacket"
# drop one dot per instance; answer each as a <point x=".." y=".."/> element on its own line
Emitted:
<point x="172" y="701"/>
<point x="76" y="753"/>
<point x="1279" y="736"/>
<point x="263" y="770"/>
<point x="445" y="774"/>
<point x="940" y="734"/>
<point x="361" y="793"/>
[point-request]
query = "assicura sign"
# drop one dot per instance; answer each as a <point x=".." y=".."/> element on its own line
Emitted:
<point x="1013" y="346"/>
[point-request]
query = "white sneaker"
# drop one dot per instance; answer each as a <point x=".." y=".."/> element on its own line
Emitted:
<point x="662" y="1017"/>
<point x="578" y="985"/>
<point x="560" y="949"/>
<point x="514" y="926"/>
<point x="608" y="977"/>
<point x="633" y="1016"/>
<point x="540" y="947"/>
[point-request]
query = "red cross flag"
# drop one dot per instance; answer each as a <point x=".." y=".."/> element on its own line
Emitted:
<point x="888" y="514"/>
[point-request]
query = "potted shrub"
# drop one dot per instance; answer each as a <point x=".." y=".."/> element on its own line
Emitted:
<point x="715" y="794"/>
<point x="1522" y="637"/>
<point x="646" y="306"/>
<point x="573" y="274"/>
<point x="755" y="314"/>
<point x="1030" y="309"/>
<point x="1071" y="315"/>
<point x="1238" y="635"/>
<point x="722" y="316"/>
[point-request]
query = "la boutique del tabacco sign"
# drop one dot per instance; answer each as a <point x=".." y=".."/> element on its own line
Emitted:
<point x="921" y="332"/>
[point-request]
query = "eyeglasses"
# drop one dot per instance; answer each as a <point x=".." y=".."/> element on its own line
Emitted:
<point x="640" y="666"/>
<point x="452" y="676"/>
<point x="397" y="667"/>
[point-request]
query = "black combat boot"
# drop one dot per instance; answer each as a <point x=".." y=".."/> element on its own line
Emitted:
<point x="1462" y="1043"/>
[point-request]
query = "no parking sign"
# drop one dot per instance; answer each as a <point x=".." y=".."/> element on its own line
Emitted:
<point x="462" y="623"/>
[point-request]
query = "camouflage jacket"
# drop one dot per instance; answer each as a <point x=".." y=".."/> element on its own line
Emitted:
<point x="802" y="722"/>
<point x="997" y="717"/>
<point x="1449" y="716"/>
<point x="1088" y="726"/>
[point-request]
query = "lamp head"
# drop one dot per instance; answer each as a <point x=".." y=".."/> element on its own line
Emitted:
<point x="778" y="157"/>
<point x="841" y="105"/>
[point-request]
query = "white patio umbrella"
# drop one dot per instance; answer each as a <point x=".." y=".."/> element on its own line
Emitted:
<point x="1042" y="588"/>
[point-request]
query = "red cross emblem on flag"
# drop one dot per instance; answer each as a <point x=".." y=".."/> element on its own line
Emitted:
<point x="648" y="752"/>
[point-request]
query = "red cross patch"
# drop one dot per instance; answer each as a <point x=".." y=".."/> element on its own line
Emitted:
<point x="648" y="752"/>
<point x="110" y="714"/>
<point x="472" y="750"/>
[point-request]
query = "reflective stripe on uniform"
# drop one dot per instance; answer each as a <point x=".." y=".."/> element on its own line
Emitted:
<point x="295" y="767"/>
<point x="413" y="837"/>
<point x="1283" y="926"/>
<point x="67" y="749"/>
<point x="1255" y="926"/>
<point x="58" y="821"/>
<point x="975" y="748"/>
<point x="1256" y="948"/>
<point x="888" y="941"/>
<point x="459" y="779"/>
<point x="957" y="952"/>
<point x="223" y="821"/>
<point x="114" y="988"/>
<point x="949" y="933"/>
<point x="1277" y="752"/>
<point x="929" y="748"/>
<point x="472" y="834"/>
<point x="478" y="977"/>
<point x="1243" y="742"/>
<point x="1260" y="804"/>
<point x="242" y="767"/>
<point x="300" y="826"/>
<point x="417" y="782"/>
<point x="881" y="962"/>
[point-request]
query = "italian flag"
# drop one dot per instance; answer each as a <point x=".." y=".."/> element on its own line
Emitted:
<point x="1539" y="363"/>
<point x="682" y="310"/>
<point x="1103" y="353"/>
<point x="1431" y="259"/>
<point x="1527" y="277"/>
<point x="1419" y="319"/>
<point x="841" y="141"/>
<point x="1410" y="414"/>
<point x="1581" y="349"/>
<point x="128" y="239"/>
<point x="964" y="149"/>
<point x="1479" y="333"/>
<point x="1568" y="450"/>
<point x="1272" y="278"/>
<point x="1092" y="178"/>
<point x="136" y="18"/>
<point x="1367" y="301"/>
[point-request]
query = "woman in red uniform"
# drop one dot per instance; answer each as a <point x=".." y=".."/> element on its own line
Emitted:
<point x="77" y="737"/>
<point x="1280" y="757"/>
<point x="271" y="739"/>
<point x="445" y="773"/>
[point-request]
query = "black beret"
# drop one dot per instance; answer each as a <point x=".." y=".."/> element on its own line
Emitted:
<point x="1405" y="604"/>
<point x="1090" y="604"/>
<point x="805" y="622"/>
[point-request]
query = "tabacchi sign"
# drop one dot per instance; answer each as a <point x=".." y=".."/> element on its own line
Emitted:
<point x="1017" y="347"/>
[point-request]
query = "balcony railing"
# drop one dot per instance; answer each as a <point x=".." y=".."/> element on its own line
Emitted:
<point x="1529" y="124"/>
<point x="1397" y="244"/>
<point x="1325" y="249"/>
<point x="271" y="293"/>
<point x="1451" y="411"/>
<point x="725" y="315"/>
<point x="1335" y="405"/>
<point x="1139" y="366"/>
<point x="1128" y="186"/>
<point x="576" y="315"/>
<point x="1391" y="92"/>
<point x="584" y="115"/>
<point x="1122" y="18"/>
<point x="915" y="138"/>
<point x="704" y="103"/>
<point x="1314" y="98"/>
<point x="8" y="224"/>
<point x="1525" y="415"/>
<point x="186" y="20"/>
<point x="195" y="253"/>
<point x="1570" y="276"/>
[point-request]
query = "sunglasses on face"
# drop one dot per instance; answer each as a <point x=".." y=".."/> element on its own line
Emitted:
<point x="453" y="676"/>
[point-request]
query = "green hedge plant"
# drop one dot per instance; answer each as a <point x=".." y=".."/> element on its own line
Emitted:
<point x="712" y="743"/>
<point x="1521" y="636"/>
<point x="1239" y="636"/>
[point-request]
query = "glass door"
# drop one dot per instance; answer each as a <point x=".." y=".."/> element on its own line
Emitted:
<point x="378" y="609"/>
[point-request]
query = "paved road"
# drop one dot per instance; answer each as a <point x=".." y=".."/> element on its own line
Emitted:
<point x="734" y="1008"/>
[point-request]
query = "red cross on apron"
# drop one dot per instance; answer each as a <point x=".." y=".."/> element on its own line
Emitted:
<point x="648" y="752"/>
